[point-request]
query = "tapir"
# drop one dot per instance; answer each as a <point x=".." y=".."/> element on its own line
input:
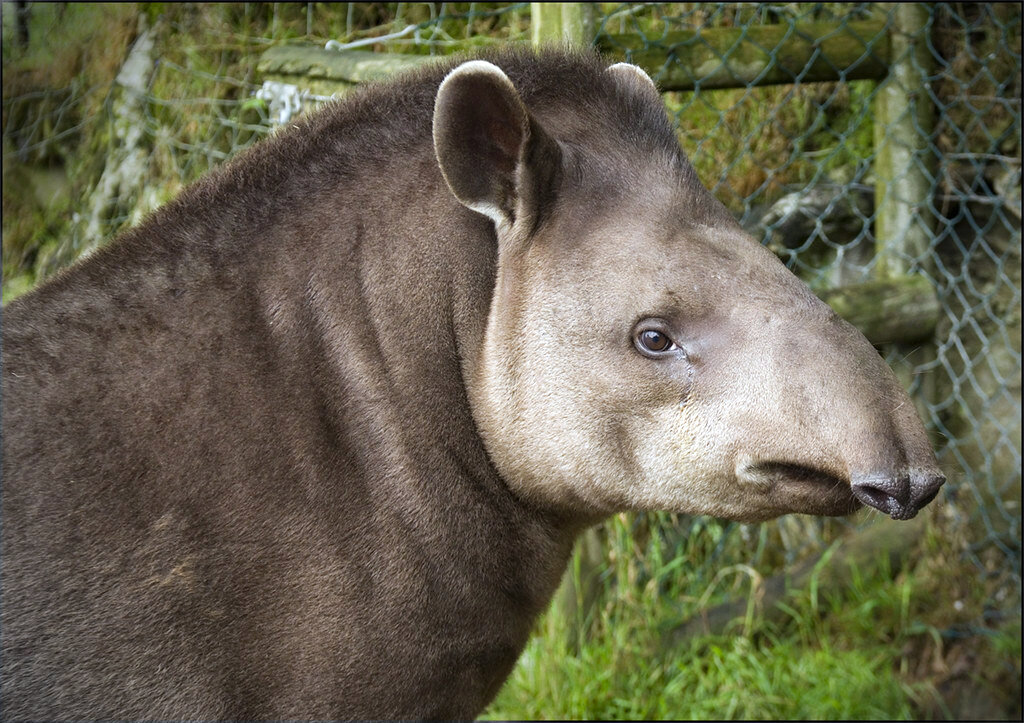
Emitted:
<point x="315" y="439"/>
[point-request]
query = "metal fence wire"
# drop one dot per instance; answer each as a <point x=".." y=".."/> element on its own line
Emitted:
<point x="808" y="190"/>
<point x="794" y="156"/>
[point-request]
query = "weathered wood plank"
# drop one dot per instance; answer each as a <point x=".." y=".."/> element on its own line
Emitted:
<point x="348" y="66"/>
<point x="757" y="55"/>
<point x="717" y="57"/>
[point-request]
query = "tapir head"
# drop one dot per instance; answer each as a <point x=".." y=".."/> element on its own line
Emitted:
<point x="641" y="351"/>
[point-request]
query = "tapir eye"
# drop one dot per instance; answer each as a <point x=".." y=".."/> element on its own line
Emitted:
<point x="653" y="342"/>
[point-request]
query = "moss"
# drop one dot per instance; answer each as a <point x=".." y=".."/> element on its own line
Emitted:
<point x="745" y="156"/>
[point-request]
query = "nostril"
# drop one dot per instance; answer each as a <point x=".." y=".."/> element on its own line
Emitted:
<point x="873" y="496"/>
<point x="890" y="495"/>
<point x="900" y="497"/>
<point x="924" y="486"/>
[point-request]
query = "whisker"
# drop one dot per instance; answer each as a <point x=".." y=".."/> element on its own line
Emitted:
<point x="907" y="355"/>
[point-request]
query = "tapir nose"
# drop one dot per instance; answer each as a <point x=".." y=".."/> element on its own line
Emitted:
<point x="899" y="496"/>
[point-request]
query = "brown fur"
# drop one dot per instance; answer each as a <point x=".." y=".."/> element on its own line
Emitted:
<point x="243" y="471"/>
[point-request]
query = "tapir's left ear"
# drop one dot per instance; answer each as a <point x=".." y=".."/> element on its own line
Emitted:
<point x="494" y="155"/>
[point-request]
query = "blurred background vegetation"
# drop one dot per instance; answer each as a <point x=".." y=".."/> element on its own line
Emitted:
<point x="110" y="109"/>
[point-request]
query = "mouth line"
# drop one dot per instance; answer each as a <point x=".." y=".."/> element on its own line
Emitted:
<point x="773" y="473"/>
<point x="801" y="488"/>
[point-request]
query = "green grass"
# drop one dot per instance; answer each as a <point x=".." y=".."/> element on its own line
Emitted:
<point x="626" y="676"/>
<point x="875" y="646"/>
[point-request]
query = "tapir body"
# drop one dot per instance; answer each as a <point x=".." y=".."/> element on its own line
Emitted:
<point x="316" y="438"/>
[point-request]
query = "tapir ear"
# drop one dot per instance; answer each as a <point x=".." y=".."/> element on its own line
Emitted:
<point x="494" y="156"/>
<point x="634" y="78"/>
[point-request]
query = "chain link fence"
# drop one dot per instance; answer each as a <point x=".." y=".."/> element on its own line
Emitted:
<point x="793" y="155"/>
<point x="797" y="162"/>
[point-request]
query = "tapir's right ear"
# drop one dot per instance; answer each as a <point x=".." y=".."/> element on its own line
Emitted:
<point x="494" y="156"/>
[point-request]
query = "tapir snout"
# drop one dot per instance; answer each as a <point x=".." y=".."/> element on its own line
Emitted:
<point x="830" y="413"/>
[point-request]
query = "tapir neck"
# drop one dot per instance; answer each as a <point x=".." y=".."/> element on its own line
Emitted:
<point x="314" y="395"/>
<point x="394" y="323"/>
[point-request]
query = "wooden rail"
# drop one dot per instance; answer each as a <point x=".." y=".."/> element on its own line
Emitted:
<point x="758" y="54"/>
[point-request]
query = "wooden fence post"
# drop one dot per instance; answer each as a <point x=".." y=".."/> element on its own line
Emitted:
<point x="905" y="171"/>
<point x="566" y="23"/>
<point x="904" y="168"/>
